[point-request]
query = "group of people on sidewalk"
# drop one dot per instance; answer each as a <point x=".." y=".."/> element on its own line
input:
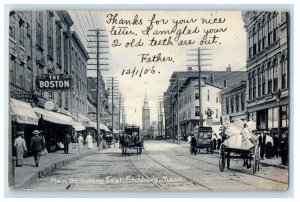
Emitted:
<point x="273" y="146"/>
<point x="38" y="146"/>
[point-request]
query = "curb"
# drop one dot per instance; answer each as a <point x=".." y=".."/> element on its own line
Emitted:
<point x="44" y="171"/>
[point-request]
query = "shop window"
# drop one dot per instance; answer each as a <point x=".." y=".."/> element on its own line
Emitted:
<point x="197" y="111"/>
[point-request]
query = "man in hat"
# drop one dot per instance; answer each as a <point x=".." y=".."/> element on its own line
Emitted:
<point x="193" y="145"/>
<point x="37" y="146"/>
<point x="20" y="146"/>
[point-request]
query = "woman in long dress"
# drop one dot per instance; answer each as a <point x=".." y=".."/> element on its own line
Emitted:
<point x="20" y="146"/>
<point x="89" y="140"/>
<point x="80" y="141"/>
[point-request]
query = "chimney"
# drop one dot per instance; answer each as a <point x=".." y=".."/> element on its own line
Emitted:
<point x="228" y="69"/>
<point x="189" y="69"/>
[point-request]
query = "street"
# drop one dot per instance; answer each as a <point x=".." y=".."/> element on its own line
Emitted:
<point x="163" y="166"/>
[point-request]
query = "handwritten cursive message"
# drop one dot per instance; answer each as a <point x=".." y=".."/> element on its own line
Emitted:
<point x="153" y="34"/>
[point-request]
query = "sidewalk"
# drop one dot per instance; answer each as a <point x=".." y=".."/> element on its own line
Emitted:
<point x="28" y="173"/>
<point x="274" y="162"/>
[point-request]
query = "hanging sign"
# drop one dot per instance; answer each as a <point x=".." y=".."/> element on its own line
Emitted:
<point x="59" y="82"/>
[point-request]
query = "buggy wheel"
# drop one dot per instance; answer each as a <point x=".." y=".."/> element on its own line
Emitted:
<point x="228" y="160"/>
<point x="222" y="158"/>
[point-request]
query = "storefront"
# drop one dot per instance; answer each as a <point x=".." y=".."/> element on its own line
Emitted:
<point x="23" y="118"/>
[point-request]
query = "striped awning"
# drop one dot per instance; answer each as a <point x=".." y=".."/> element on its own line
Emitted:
<point x="22" y="112"/>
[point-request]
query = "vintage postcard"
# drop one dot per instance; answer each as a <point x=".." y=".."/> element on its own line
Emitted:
<point x="153" y="100"/>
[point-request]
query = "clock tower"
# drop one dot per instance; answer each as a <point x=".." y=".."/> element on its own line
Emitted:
<point x="146" y="115"/>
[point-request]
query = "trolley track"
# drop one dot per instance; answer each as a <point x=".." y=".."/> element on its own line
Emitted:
<point x="238" y="171"/>
<point x="185" y="177"/>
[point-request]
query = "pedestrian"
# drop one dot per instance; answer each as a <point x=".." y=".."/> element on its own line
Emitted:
<point x="193" y="145"/>
<point x="89" y="140"/>
<point x="67" y="141"/>
<point x="37" y="145"/>
<point x="80" y="140"/>
<point x="20" y="146"/>
<point x="214" y="140"/>
<point x="262" y="144"/>
<point x="269" y="146"/>
<point x="219" y="140"/>
<point x="276" y="144"/>
<point x="284" y="148"/>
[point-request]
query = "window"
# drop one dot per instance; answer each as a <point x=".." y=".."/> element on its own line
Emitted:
<point x="50" y="34"/>
<point x="275" y="34"/>
<point x="12" y="70"/>
<point x="250" y="87"/>
<point x="254" y="85"/>
<point x="207" y="95"/>
<point x="254" y="49"/>
<point x="66" y="53"/>
<point x="284" y="75"/>
<point x="232" y="104"/>
<point x="217" y="99"/>
<point x="217" y="113"/>
<point x="197" y="111"/>
<point x="259" y="84"/>
<point x="22" y="32"/>
<point x="242" y="101"/>
<point x="225" y="83"/>
<point x="250" y="52"/>
<point x="237" y="103"/>
<point x="39" y="29"/>
<point x="270" y="76"/>
<point x="263" y="85"/>
<point x="58" y="43"/>
<point x="284" y="116"/>
<point x="275" y="80"/>
<point x="196" y="96"/>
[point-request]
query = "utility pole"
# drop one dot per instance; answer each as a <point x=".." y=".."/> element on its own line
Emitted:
<point x="200" y="57"/>
<point x="95" y="55"/>
<point x="113" y="85"/>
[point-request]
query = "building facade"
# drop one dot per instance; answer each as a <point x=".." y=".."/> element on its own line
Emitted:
<point x="41" y="43"/>
<point x="188" y="95"/>
<point x="145" y="115"/>
<point x="268" y="69"/>
<point x="233" y="101"/>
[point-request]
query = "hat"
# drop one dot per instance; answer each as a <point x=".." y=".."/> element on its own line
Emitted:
<point x="36" y="132"/>
<point x="19" y="133"/>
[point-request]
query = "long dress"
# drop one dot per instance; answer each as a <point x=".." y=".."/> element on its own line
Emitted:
<point x="80" y="142"/>
<point x="20" y="146"/>
<point x="89" y="140"/>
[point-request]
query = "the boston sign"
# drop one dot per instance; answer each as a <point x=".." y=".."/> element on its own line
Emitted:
<point x="54" y="82"/>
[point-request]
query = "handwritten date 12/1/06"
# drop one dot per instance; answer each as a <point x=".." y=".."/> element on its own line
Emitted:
<point x="139" y="72"/>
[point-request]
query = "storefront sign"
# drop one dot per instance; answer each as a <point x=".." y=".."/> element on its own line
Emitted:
<point x="49" y="105"/>
<point x="54" y="82"/>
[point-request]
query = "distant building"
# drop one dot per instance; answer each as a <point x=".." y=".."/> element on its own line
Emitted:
<point x="268" y="69"/>
<point x="189" y="99"/>
<point x="233" y="101"/>
<point x="145" y="115"/>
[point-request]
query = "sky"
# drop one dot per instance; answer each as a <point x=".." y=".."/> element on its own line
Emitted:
<point x="229" y="49"/>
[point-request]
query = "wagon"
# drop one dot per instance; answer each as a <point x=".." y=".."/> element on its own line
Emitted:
<point x="131" y="139"/>
<point x="204" y="138"/>
<point x="248" y="155"/>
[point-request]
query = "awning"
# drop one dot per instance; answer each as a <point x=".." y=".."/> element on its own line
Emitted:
<point x="78" y="127"/>
<point x="104" y="127"/>
<point x="83" y="119"/>
<point x="90" y="124"/>
<point x="22" y="112"/>
<point x="57" y="118"/>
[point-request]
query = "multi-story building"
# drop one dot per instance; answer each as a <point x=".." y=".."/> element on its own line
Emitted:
<point x="267" y="68"/>
<point x="233" y="101"/>
<point x="189" y="99"/>
<point x="42" y="43"/>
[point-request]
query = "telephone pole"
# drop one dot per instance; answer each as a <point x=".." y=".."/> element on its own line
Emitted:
<point x="200" y="57"/>
<point x="95" y="56"/>
<point x="113" y="86"/>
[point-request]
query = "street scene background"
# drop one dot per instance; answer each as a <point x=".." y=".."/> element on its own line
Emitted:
<point x="149" y="100"/>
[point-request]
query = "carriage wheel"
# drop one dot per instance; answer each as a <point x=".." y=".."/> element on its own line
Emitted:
<point x="222" y="158"/>
<point x="228" y="160"/>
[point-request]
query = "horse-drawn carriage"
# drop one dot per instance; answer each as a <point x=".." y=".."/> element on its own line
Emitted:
<point x="131" y="139"/>
<point x="241" y="143"/>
